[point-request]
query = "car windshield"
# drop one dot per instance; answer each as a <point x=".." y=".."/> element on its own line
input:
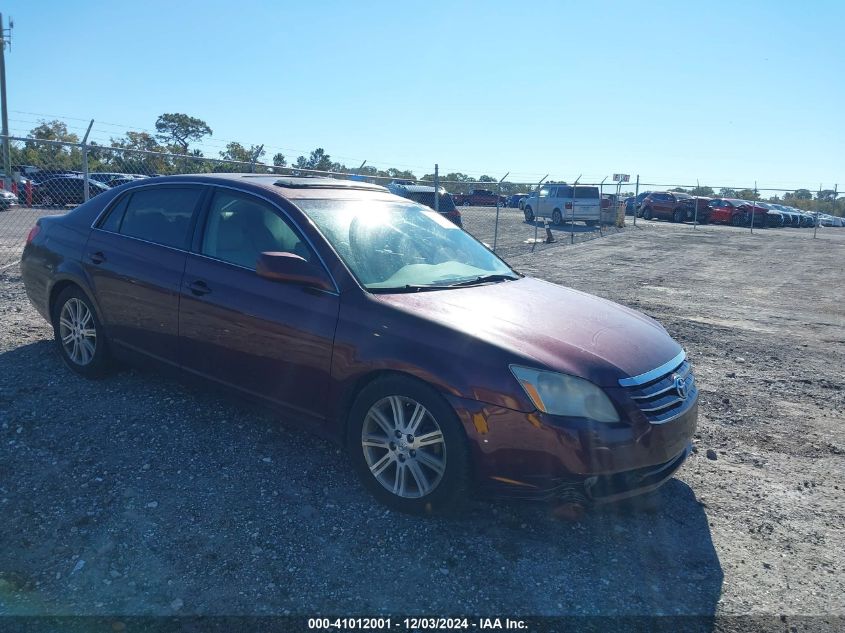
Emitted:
<point x="402" y="245"/>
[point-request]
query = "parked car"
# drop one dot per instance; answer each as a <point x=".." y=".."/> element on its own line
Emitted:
<point x="791" y="217"/>
<point x="64" y="190"/>
<point x="7" y="200"/>
<point x="478" y="198"/>
<point x="425" y="195"/>
<point x="41" y="175"/>
<point x="727" y="211"/>
<point x="112" y="179"/>
<point x="562" y="202"/>
<point x="372" y="321"/>
<point x="767" y="216"/>
<point x="515" y="200"/>
<point x="675" y="206"/>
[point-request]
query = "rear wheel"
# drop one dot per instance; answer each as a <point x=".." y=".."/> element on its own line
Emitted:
<point x="79" y="335"/>
<point x="557" y="218"/>
<point x="408" y="447"/>
<point x="529" y="214"/>
<point x="677" y="215"/>
<point x="647" y="215"/>
<point x="737" y="220"/>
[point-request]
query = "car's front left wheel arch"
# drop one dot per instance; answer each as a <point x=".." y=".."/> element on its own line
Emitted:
<point x="407" y="445"/>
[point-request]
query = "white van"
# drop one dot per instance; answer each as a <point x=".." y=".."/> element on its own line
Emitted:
<point x="564" y="203"/>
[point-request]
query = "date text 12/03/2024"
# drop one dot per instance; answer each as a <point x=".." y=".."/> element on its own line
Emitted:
<point x="417" y="623"/>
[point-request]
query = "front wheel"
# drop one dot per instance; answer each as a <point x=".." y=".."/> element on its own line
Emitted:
<point x="529" y="214"/>
<point x="737" y="220"/>
<point x="647" y="215"/>
<point x="557" y="218"/>
<point x="678" y="216"/>
<point x="79" y="335"/>
<point x="408" y="447"/>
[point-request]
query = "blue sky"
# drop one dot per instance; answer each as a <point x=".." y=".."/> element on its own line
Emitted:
<point x="724" y="92"/>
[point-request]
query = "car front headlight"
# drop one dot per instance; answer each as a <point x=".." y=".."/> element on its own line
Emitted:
<point x="559" y="394"/>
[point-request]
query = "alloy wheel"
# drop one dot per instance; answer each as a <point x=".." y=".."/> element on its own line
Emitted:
<point x="77" y="332"/>
<point x="404" y="447"/>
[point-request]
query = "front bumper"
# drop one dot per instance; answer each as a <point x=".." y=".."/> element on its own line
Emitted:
<point x="535" y="456"/>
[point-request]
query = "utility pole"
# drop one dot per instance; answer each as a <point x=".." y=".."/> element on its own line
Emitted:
<point x="5" y="36"/>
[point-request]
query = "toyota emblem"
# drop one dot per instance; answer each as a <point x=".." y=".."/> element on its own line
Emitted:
<point x="680" y="386"/>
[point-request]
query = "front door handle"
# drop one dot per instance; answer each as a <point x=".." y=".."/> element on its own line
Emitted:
<point x="199" y="288"/>
<point x="97" y="258"/>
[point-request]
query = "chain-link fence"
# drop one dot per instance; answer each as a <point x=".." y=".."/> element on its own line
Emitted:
<point x="50" y="177"/>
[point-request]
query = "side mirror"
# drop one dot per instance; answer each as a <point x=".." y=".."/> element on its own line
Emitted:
<point x="293" y="269"/>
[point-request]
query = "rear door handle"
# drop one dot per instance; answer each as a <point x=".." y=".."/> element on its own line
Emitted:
<point x="97" y="258"/>
<point x="199" y="288"/>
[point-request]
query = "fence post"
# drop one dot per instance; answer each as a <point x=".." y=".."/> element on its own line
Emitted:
<point x="84" y="146"/>
<point x="816" y="223"/>
<point x="695" y="202"/>
<point x="534" y="243"/>
<point x="636" y="193"/>
<point x="436" y="188"/>
<point x="498" y="202"/>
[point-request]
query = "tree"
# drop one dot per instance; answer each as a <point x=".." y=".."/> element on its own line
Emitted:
<point x="236" y="152"/>
<point x="137" y="162"/>
<point x="679" y="190"/>
<point x="177" y="129"/>
<point x="703" y="191"/>
<point x="725" y="192"/>
<point x="53" y="131"/>
<point x="279" y="160"/>
<point x="747" y="194"/>
<point x="49" y="155"/>
<point x="318" y="160"/>
<point x="802" y="194"/>
<point x="825" y="195"/>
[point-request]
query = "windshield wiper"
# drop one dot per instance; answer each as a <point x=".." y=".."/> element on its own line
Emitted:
<point x="406" y="288"/>
<point x="483" y="279"/>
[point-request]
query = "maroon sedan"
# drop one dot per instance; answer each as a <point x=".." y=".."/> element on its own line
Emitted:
<point x="376" y="322"/>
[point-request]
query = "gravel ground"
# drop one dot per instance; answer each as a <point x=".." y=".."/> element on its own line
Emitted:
<point x="141" y="494"/>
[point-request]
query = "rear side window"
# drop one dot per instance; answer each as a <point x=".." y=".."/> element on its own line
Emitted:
<point x="115" y="216"/>
<point x="564" y="192"/>
<point x="586" y="192"/>
<point x="161" y="215"/>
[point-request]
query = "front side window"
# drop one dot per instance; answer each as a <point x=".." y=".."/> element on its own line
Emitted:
<point x="161" y="215"/>
<point x="396" y="246"/>
<point x="239" y="228"/>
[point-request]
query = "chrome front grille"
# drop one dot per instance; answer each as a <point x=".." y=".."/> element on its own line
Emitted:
<point x="666" y="395"/>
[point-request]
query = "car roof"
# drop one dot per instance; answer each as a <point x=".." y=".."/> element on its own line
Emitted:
<point x="284" y="186"/>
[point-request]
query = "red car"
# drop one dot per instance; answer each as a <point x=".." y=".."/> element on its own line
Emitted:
<point x="374" y="321"/>
<point x="727" y="211"/>
<point x="675" y="206"/>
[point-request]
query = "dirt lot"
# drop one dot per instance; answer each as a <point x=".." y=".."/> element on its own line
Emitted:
<point x="140" y="494"/>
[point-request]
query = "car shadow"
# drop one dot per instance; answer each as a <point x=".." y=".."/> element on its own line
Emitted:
<point x="173" y="493"/>
<point x="568" y="227"/>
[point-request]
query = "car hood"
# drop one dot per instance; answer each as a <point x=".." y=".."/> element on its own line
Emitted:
<point x="549" y="325"/>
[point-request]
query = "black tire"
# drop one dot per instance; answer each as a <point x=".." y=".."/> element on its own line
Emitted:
<point x="529" y="214"/>
<point x="647" y="215"/>
<point x="591" y="222"/>
<point x="737" y="220"/>
<point x="678" y="216"/>
<point x="557" y="217"/>
<point x="454" y="482"/>
<point x="100" y="362"/>
<point x="466" y="204"/>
